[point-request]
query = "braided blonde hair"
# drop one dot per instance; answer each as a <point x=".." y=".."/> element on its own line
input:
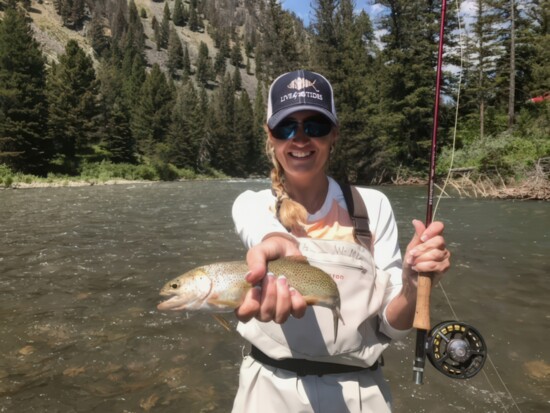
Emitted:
<point x="290" y="213"/>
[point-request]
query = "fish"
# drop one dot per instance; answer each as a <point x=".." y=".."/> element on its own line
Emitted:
<point x="221" y="287"/>
<point x="302" y="83"/>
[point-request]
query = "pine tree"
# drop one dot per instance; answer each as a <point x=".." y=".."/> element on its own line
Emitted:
<point x="24" y="143"/>
<point x="200" y="131"/>
<point x="229" y="155"/>
<point x="177" y="16"/>
<point x="183" y="145"/>
<point x="116" y="136"/>
<point x="279" y="49"/>
<point x="237" y="80"/>
<point x="514" y="68"/>
<point x="151" y="117"/>
<point x="119" y="23"/>
<point x="186" y="67"/>
<point x="175" y="53"/>
<point x="193" y="19"/>
<point x="261" y="164"/>
<point x="236" y="55"/>
<point x="539" y="58"/>
<point x="355" y="91"/>
<point x="204" y="67"/>
<point x="244" y="128"/>
<point x="133" y="77"/>
<point x="73" y="109"/>
<point x="99" y="41"/>
<point x="220" y="65"/>
<point x="326" y="48"/>
<point x="482" y="54"/>
<point x="408" y="81"/>
<point x="134" y="38"/>
<point x="156" y="30"/>
<point x="165" y="27"/>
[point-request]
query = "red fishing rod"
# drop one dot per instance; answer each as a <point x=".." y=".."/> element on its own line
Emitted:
<point x="455" y="349"/>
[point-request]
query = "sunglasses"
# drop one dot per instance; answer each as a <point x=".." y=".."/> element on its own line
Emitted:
<point x="315" y="127"/>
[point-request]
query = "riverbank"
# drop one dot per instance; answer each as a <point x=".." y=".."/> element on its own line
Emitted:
<point x="533" y="188"/>
<point x="71" y="183"/>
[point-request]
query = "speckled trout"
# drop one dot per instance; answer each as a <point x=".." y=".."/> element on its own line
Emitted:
<point x="221" y="287"/>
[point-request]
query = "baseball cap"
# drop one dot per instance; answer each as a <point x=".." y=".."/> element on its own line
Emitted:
<point x="300" y="90"/>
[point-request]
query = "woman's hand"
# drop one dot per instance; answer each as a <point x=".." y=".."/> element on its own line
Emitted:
<point x="426" y="253"/>
<point x="271" y="299"/>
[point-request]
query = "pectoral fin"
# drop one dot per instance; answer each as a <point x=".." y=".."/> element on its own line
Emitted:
<point x="224" y="323"/>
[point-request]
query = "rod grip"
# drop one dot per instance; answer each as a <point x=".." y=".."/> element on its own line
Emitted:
<point x="422" y="312"/>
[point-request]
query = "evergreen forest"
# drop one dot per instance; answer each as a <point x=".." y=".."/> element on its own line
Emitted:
<point x="130" y="97"/>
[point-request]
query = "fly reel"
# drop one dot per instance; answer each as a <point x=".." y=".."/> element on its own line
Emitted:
<point x="456" y="349"/>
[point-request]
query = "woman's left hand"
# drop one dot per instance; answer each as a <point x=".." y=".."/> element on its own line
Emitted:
<point x="426" y="253"/>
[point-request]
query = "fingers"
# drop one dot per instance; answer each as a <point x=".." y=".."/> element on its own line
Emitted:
<point x="279" y="300"/>
<point x="269" y="298"/>
<point x="272" y="300"/>
<point x="250" y="306"/>
<point x="427" y="252"/>
<point x="299" y="306"/>
<point x="428" y="259"/>
<point x="284" y="304"/>
<point x="256" y="260"/>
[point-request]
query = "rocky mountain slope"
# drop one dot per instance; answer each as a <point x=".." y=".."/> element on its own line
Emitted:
<point x="53" y="36"/>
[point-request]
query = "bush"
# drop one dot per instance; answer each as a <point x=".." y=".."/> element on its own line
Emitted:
<point x="106" y="170"/>
<point x="6" y="176"/>
<point x="508" y="155"/>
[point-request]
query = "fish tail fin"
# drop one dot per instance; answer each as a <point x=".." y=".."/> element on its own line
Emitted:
<point x="337" y="316"/>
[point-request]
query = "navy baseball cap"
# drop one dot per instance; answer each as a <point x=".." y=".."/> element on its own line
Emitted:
<point x="300" y="90"/>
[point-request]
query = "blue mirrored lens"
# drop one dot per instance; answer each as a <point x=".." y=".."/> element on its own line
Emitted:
<point x="285" y="130"/>
<point x="316" y="127"/>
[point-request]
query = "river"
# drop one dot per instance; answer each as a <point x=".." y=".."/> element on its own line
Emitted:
<point x="81" y="269"/>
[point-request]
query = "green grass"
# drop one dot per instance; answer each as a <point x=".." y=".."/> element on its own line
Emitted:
<point x="101" y="172"/>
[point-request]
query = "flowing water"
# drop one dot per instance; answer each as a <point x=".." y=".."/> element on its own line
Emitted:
<point x="80" y="271"/>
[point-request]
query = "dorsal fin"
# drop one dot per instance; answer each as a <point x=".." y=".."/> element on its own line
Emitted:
<point x="300" y="259"/>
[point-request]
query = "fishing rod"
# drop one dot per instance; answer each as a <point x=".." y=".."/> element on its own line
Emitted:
<point x="454" y="348"/>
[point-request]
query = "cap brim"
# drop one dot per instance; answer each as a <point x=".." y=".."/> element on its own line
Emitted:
<point x="283" y="113"/>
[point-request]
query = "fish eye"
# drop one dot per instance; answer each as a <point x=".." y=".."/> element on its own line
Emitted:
<point x="174" y="286"/>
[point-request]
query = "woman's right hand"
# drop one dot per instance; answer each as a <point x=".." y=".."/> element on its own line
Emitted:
<point x="271" y="298"/>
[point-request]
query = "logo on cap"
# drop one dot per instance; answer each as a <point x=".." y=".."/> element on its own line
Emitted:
<point x="301" y="83"/>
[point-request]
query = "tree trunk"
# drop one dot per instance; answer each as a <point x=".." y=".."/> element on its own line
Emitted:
<point x="512" y="91"/>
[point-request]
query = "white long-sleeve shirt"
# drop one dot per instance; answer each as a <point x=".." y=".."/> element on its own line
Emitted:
<point x="254" y="218"/>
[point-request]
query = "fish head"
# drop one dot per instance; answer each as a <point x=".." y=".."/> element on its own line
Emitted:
<point x="186" y="292"/>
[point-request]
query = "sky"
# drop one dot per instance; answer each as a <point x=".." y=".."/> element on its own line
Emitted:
<point x="302" y="8"/>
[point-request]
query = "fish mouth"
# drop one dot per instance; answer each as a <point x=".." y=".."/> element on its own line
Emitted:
<point x="173" y="303"/>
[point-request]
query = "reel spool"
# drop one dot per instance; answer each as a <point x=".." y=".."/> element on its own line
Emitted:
<point x="456" y="349"/>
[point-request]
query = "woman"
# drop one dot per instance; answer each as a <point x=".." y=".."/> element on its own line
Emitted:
<point x="294" y="365"/>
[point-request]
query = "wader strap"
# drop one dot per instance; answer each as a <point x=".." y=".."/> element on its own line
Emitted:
<point x="358" y="214"/>
<point x="303" y="367"/>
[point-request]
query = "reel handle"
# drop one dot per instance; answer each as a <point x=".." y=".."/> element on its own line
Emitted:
<point x="422" y="312"/>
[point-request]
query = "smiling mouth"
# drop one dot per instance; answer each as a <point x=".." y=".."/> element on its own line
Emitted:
<point x="301" y="155"/>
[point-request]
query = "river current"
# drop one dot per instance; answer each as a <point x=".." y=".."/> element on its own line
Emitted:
<point x="80" y="271"/>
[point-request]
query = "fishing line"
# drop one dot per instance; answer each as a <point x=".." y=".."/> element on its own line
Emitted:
<point x="461" y="32"/>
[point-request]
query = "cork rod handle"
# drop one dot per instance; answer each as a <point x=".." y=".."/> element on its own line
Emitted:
<point x="422" y="313"/>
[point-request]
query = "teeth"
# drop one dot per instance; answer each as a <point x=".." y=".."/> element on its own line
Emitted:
<point x="300" y="154"/>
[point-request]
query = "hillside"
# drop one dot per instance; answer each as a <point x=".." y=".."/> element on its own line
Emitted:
<point x="53" y="36"/>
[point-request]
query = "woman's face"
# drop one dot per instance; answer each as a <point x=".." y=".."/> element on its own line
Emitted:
<point x="303" y="156"/>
